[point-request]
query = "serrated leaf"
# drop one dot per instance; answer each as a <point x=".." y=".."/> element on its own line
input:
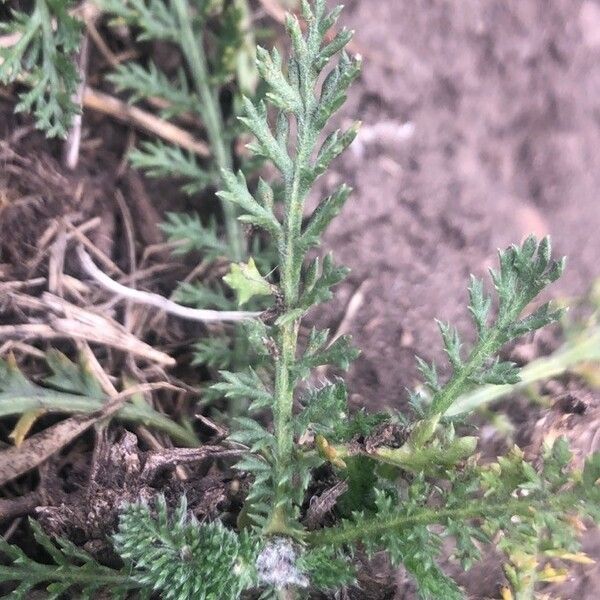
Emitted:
<point x="236" y="192"/>
<point x="452" y="344"/>
<point x="72" y="377"/>
<point x="340" y="354"/>
<point x="318" y="286"/>
<point x="245" y="280"/>
<point x="158" y="159"/>
<point x="325" y="409"/>
<point x="323" y="215"/>
<point x="190" y="234"/>
<point x="429" y="373"/>
<point x="499" y="373"/>
<point x="244" y="385"/>
<point x="479" y="305"/>
<point x="266" y="144"/>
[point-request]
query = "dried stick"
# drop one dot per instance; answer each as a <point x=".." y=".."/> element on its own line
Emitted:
<point x="164" y="304"/>
<point x="131" y="115"/>
<point x="73" y="141"/>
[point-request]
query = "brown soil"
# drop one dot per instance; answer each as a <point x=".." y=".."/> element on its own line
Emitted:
<point x="481" y="125"/>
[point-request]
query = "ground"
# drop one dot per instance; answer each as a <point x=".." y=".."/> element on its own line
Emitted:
<point x="481" y="124"/>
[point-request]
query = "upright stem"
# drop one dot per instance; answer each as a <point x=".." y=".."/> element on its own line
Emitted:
<point x="210" y="112"/>
<point x="291" y="255"/>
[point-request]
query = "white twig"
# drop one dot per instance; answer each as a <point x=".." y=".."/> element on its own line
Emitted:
<point x="141" y="297"/>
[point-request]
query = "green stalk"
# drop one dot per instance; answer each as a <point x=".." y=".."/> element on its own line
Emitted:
<point x="378" y="526"/>
<point x="41" y="10"/>
<point x="72" y="576"/>
<point x="583" y="348"/>
<point x="291" y="256"/>
<point x="210" y="111"/>
<point x="60" y="402"/>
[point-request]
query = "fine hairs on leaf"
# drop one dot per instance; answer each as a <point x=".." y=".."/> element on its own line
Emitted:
<point x="399" y="484"/>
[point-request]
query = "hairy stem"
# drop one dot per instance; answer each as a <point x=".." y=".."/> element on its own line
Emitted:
<point x="291" y="255"/>
<point x="74" y="575"/>
<point x="210" y="112"/>
<point x="377" y="526"/>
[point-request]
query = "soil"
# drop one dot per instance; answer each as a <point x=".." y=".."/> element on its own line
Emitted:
<point x="481" y="122"/>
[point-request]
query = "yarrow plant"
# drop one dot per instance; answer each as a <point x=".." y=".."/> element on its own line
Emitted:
<point x="42" y="56"/>
<point x="401" y="483"/>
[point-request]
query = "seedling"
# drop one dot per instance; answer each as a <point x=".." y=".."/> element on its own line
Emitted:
<point x="404" y="483"/>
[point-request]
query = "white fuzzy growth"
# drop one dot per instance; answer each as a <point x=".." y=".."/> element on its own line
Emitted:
<point x="276" y="565"/>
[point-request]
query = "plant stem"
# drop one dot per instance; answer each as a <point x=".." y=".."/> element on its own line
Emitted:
<point x="210" y="111"/>
<point x="291" y="256"/>
<point x="60" y="402"/>
<point x="379" y="525"/>
<point x="585" y="347"/>
<point x="45" y="20"/>
<point x="73" y="576"/>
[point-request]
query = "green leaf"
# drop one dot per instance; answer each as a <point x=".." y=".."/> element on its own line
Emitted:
<point x="327" y="569"/>
<point x="282" y="94"/>
<point x="323" y="215"/>
<point x="144" y="83"/>
<point x="498" y="373"/>
<point x="479" y="305"/>
<point x="244" y="385"/>
<point x="71" y="377"/>
<point x="190" y="234"/>
<point x="266" y="144"/>
<point x="152" y="18"/>
<point x="236" y="192"/>
<point x="158" y="159"/>
<point x="325" y="411"/>
<point x="43" y="57"/>
<point x="332" y="147"/>
<point x="214" y="352"/>
<point x="317" y="285"/>
<point x="247" y="282"/>
<point x="340" y="353"/>
<point x="178" y="557"/>
<point x="524" y="272"/>
<point x="71" y="571"/>
<point x="201" y="296"/>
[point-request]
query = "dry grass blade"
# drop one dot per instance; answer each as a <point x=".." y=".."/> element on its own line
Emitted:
<point x="322" y="504"/>
<point x="81" y="324"/>
<point x="164" y="459"/>
<point x="131" y="115"/>
<point x="160" y="302"/>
